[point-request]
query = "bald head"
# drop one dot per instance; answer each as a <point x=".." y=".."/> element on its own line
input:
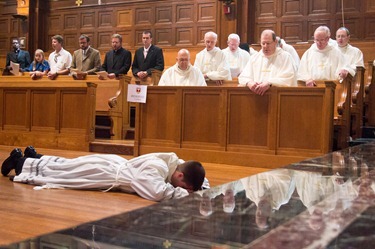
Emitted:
<point x="268" y="42"/>
<point x="183" y="59"/>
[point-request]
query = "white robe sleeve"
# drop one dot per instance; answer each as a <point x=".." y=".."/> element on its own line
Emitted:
<point x="283" y="72"/>
<point x="303" y="70"/>
<point x="150" y="182"/>
<point x="247" y="75"/>
<point x="164" y="79"/>
<point x="222" y="71"/>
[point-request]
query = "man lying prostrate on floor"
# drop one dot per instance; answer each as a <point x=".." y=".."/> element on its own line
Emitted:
<point x="155" y="176"/>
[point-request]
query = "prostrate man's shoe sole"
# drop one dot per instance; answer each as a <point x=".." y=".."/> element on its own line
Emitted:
<point x="11" y="162"/>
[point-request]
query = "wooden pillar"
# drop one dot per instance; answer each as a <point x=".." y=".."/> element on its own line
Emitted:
<point x="38" y="13"/>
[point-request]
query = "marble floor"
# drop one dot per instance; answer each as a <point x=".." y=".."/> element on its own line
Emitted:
<point x="325" y="202"/>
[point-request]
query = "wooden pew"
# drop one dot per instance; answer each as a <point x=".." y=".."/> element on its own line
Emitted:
<point x="232" y="125"/>
<point x="342" y="117"/>
<point x="111" y="98"/>
<point x="357" y="99"/>
<point x="369" y="102"/>
<point x="46" y="114"/>
<point x="111" y="101"/>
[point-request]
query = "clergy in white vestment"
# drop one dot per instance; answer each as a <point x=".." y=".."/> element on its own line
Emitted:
<point x="212" y="61"/>
<point x="290" y="49"/>
<point x="272" y="66"/>
<point x="322" y="61"/>
<point x="237" y="57"/>
<point x="154" y="176"/>
<point x="353" y="56"/>
<point x="182" y="73"/>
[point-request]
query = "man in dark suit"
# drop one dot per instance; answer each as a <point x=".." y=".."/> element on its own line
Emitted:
<point x="147" y="58"/>
<point x="118" y="60"/>
<point x="18" y="55"/>
<point x="86" y="59"/>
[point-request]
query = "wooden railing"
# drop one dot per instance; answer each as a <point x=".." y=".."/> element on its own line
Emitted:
<point x="47" y="114"/>
<point x="341" y="114"/>
<point x="111" y="97"/>
<point x="232" y="125"/>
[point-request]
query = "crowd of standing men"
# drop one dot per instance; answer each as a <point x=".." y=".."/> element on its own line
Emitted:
<point x="276" y="64"/>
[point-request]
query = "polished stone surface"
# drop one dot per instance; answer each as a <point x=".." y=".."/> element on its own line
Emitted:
<point x="325" y="202"/>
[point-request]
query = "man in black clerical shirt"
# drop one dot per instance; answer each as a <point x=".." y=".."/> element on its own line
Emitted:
<point x="18" y="55"/>
<point x="118" y="60"/>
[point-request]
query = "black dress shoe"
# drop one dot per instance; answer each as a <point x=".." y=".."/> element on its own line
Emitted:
<point x="30" y="152"/>
<point x="11" y="162"/>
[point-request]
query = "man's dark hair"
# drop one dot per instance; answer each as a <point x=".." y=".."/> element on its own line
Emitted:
<point x="147" y="32"/>
<point x="245" y="47"/>
<point x="194" y="173"/>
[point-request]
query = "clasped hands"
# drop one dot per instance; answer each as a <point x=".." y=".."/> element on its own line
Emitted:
<point x="259" y="88"/>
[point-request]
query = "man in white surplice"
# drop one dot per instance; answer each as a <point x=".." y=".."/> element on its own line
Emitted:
<point x="182" y="73"/>
<point x="212" y="61"/>
<point x="322" y="61"/>
<point x="237" y="57"/>
<point x="272" y="66"/>
<point x="353" y="56"/>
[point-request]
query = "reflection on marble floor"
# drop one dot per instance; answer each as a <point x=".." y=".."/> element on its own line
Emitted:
<point x="325" y="202"/>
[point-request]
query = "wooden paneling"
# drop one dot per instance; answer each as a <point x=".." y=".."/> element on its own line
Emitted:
<point x="88" y="20"/>
<point x="163" y="15"/>
<point x="143" y="16"/>
<point x="55" y="23"/>
<point x="71" y="21"/>
<point x="307" y="15"/>
<point x="184" y="36"/>
<point x="124" y="18"/>
<point x="40" y="110"/>
<point x="166" y="106"/>
<point x="105" y="19"/>
<point x="4" y="26"/>
<point x="318" y="7"/>
<point x="55" y="115"/>
<point x="370" y="6"/>
<point x="292" y="8"/>
<point x="210" y="116"/>
<point x="248" y="120"/>
<point x="184" y="13"/>
<point x="231" y="124"/>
